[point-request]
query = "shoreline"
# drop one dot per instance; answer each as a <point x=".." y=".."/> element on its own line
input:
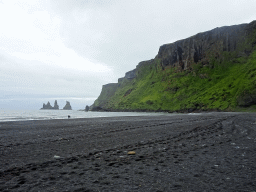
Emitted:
<point x="148" y="113"/>
<point x="74" y="115"/>
<point x="185" y="111"/>
<point x="211" y="151"/>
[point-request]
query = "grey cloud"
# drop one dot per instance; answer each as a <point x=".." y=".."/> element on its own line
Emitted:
<point x="28" y="78"/>
<point x="116" y="33"/>
<point x="123" y="33"/>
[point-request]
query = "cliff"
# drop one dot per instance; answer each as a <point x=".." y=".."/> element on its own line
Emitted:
<point x="213" y="70"/>
<point x="107" y="92"/>
<point x="203" y="46"/>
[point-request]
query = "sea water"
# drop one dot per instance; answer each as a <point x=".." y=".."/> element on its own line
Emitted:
<point x="23" y="115"/>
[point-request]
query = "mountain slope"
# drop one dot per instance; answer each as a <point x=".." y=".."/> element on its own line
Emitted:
<point x="214" y="70"/>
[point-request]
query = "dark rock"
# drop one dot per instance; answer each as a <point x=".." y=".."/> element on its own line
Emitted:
<point x="97" y="108"/>
<point x="246" y="100"/>
<point x="47" y="106"/>
<point x="87" y="108"/>
<point x="130" y="74"/>
<point x="67" y="106"/>
<point x="56" y="106"/>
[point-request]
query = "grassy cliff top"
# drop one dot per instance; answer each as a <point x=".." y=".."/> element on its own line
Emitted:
<point x="217" y="74"/>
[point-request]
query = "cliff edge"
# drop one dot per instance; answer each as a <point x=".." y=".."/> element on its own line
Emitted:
<point x="212" y="70"/>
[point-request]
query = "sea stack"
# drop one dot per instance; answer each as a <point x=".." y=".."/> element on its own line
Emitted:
<point x="48" y="105"/>
<point x="56" y="106"/>
<point x="67" y="106"/>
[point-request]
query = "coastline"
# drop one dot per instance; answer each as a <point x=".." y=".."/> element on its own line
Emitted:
<point x="210" y="151"/>
<point x="24" y="115"/>
<point x="185" y="111"/>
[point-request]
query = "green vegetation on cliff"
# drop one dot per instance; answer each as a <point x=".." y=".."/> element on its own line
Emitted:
<point x="223" y="82"/>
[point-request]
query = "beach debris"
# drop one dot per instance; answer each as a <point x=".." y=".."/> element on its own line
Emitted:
<point x="131" y="153"/>
<point x="56" y="157"/>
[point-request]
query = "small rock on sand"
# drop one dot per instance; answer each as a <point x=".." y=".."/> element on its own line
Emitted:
<point x="56" y="157"/>
<point x="131" y="153"/>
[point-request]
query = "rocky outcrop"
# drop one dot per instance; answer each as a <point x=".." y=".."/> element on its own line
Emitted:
<point x="130" y="74"/>
<point x="144" y="63"/>
<point x="107" y="91"/>
<point x="247" y="99"/>
<point x="97" y="108"/>
<point x="87" y="108"/>
<point x="56" y="106"/>
<point x="48" y="105"/>
<point x="67" y="106"/>
<point x="204" y="46"/>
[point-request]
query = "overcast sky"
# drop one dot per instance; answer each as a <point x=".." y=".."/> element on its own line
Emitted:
<point x="70" y="48"/>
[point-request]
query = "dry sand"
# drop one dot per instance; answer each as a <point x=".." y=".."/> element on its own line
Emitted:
<point x="207" y="152"/>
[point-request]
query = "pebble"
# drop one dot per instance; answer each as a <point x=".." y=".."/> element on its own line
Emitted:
<point x="131" y="153"/>
<point x="56" y="157"/>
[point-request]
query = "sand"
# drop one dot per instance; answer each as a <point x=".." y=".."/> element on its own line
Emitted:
<point x="207" y="152"/>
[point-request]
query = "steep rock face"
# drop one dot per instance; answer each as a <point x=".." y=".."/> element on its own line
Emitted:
<point x="130" y="74"/>
<point x="202" y="50"/>
<point x="203" y="46"/>
<point x="107" y="92"/>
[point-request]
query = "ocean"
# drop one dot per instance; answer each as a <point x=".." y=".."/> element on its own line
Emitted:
<point x="23" y="115"/>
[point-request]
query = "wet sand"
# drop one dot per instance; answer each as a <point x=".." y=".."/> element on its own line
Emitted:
<point x="208" y="152"/>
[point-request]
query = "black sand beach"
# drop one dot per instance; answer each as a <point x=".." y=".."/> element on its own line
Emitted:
<point x="208" y="152"/>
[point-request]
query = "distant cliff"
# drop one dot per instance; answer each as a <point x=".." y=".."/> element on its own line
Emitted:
<point x="107" y="92"/>
<point x="213" y="70"/>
